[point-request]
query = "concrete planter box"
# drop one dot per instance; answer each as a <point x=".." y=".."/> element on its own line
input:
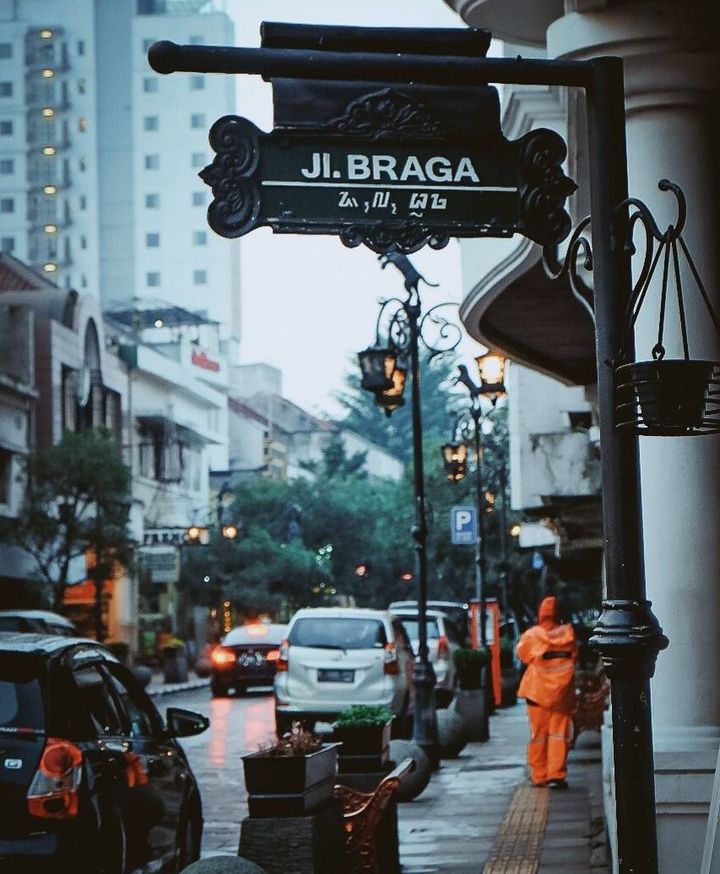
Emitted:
<point x="471" y="704"/>
<point x="175" y="667"/>
<point x="364" y="748"/>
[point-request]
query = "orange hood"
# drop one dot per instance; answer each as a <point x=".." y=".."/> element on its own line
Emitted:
<point x="549" y="612"/>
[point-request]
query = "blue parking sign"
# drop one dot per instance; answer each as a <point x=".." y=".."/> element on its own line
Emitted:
<point x="463" y="526"/>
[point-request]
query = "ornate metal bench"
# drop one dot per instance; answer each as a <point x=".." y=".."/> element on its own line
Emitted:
<point x="362" y="812"/>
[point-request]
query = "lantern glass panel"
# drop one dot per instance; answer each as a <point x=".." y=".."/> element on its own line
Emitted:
<point x="377" y="366"/>
<point x="491" y="369"/>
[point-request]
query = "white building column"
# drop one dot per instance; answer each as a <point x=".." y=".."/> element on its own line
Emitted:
<point x="672" y="73"/>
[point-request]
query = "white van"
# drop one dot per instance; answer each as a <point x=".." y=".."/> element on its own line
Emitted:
<point x="337" y="656"/>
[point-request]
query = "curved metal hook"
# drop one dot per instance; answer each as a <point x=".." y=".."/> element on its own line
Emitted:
<point x="556" y="269"/>
<point x="384" y="303"/>
<point x="674" y="230"/>
<point x="449" y="334"/>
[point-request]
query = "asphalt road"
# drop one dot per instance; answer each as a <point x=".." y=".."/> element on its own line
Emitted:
<point x="237" y="726"/>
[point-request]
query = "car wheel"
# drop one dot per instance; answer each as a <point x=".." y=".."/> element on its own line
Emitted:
<point x="188" y="843"/>
<point x="217" y="690"/>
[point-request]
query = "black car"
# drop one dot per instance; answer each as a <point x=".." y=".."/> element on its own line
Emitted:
<point x="91" y="779"/>
<point x="247" y="656"/>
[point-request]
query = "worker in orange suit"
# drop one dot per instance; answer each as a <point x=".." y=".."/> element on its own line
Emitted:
<point x="549" y="650"/>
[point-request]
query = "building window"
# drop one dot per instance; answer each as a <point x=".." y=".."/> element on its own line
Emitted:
<point x="81" y="86"/>
<point x="152" y="241"/>
<point x="198" y="159"/>
<point x="197" y="120"/>
<point x="83" y="241"/>
<point x="82" y="164"/>
<point x="6" y="89"/>
<point x="5" y="475"/>
<point x="5" y="51"/>
<point x="152" y="279"/>
<point x="150" y="85"/>
<point x="7" y="204"/>
<point x="198" y="198"/>
<point x="199" y="238"/>
<point x="81" y="47"/>
<point x="152" y="201"/>
<point x="151" y="123"/>
<point x="83" y="201"/>
<point x="199" y="277"/>
<point x="197" y="83"/>
<point x="152" y="162"/>
<point x="7" y="244"/>
<point x="6" y="128"/>
<point x="7" y="166"/>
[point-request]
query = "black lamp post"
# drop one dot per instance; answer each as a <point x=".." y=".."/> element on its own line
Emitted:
<point x="225" y="497"/>
<point x="384" y="369"/>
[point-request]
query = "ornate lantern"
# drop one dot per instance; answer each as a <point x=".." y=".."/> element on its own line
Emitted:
<point x="455" y="458"/>
<point x="377" y="365"/>
<point x="491" y="369"/>
<point x="389" y="399"/>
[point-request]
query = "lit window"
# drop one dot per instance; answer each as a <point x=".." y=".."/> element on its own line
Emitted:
<point x="152" y="162"/>
<point x="46" y="33"/>
<point x="47" y="73"/>
<point x="200" y="277"/>
<point x="49" y="266"/>
<point x="151" y="122"/>
<point x="198" y="159"/>
<point x="50" y="229"/>
<point x="7" y="166"/>
<point x="198" y="198"/>
<point x="152" y="241"/>
<point x="152" y="279"/>
<point x="82" y="124"/>
<point x="6" y="128"/>
<point x="47" y="112"/>
<point x="7" y="204"/>
<point x="6" y="89"/>
<point x="197" y="83"/>
<point x="49" y="189"/>
<point x="197" y="120"/>
<point x="152" y="201"/>
<point x="199" y="238"/>
<point x="150" y="84"/>
<point x="49" y="150"/>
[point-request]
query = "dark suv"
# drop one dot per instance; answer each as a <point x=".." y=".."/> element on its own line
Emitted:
<point x="91" y="780"/>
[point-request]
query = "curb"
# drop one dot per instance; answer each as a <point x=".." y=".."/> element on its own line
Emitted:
<point x="170" y="688"/>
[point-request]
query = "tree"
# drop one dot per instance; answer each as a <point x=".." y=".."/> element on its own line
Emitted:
<point x="76" y="503"/>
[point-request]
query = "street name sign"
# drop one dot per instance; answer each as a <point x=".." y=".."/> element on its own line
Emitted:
<point x="463" y="526"/>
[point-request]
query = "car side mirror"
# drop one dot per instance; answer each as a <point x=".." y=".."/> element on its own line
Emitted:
<point x="185" y="723"/>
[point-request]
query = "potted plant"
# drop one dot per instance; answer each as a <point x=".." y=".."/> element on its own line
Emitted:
<point x="471" y="666"/>
<point x="175" y="663"/>
<point x="364" y="732"/>
<point x="292" y="777"/>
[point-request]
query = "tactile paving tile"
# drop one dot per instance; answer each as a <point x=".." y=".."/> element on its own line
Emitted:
<point x="519" y="840"/>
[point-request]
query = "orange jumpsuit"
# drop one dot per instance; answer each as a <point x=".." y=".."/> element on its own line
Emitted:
<point x="549" y="649"/>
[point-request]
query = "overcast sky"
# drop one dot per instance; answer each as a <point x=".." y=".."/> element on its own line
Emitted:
<point x="309" y="303"/>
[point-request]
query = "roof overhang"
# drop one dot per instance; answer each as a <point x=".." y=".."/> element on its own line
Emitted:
<point x="184" y="433"/>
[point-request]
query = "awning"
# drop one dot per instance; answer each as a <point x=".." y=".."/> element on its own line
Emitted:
<point x="184" y="433"/>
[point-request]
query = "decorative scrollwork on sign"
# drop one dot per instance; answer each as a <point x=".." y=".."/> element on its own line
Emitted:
<point x="405" y="239"/>
<point x="579" y="251"/>
<point x="544" y="187"/>
<point x="387" y="113"/>
<point x="235" y="208"/>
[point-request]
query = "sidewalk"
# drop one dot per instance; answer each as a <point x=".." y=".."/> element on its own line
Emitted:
<point x="480" y="816"/>
<point x="157" y="686"/>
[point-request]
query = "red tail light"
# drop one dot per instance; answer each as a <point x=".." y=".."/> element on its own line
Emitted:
<point x="222" y="658"/>
<point x="282" y="657"/>
<point x="53" y="793"/>
<point x="392" y="663"/>
<point x="443" y="648"/>
<point x="272" y="655"/>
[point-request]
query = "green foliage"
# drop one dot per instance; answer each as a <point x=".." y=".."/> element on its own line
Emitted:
<point x="77" y="501"/>
<point x="469" y="664"/>
<point x="363" y="716"/>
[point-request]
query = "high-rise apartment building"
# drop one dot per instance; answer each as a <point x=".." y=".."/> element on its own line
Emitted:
<point x="99" y="155"/>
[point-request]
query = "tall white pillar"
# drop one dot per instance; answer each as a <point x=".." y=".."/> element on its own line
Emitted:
<point x="672" y="73"/>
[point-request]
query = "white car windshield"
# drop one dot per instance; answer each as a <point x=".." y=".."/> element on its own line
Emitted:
<point x="338" y="633"/>
<point x="412" y="627"/>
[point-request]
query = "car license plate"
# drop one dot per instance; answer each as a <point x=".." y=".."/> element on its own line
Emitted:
<point x="335" y="676"/>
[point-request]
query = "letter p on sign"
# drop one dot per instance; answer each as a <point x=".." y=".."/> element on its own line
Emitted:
<point x="463" y="526"/>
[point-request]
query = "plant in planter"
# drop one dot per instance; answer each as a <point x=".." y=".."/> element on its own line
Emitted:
<point x="175" y="663"/>
<point x="364" y="732"/>
<point x="291" y="777"/>
<point x="471" y="666"/>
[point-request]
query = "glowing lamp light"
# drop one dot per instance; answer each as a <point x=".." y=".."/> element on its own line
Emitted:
<point x="491" y="369"/>
<point x="377" y="366"/>
<point x="49" y="189"/>
<point x="515" y="530"/>
<point x="361" y="570"/>
<point x="158" y="323"/>
<point x="46" y="33"/>
<point x="392" y="398"/>
<point x="455" y="460"/>
<point x="406" y="577"/>
<point x="229" y="532"/>
<point x="47" y="73"/>
<point x="222" y="658"/>
<point x="47" y="112"/>
<point x="50" y="267"/>
<point x="49" y="150"/>
<point x="50" y="229"/>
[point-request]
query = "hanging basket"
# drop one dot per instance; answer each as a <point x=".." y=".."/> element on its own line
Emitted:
<point x="665" y="397"/>
<point x="668" y="398"/>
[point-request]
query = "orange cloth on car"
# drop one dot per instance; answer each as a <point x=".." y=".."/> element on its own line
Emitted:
<point x="548" y="747"/>
<point x="549" y="650"/>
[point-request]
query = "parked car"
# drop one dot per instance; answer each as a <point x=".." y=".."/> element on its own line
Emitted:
<point x="337" y="656"/>
<point x="246" y="656"/>
<point x="458" y="611"/>
<point x="443" y="639"/>
<point x="39" y="621"/>
<point x="91" y="778"/>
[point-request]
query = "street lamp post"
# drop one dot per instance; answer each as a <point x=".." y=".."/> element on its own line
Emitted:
<point x="384" y="368"/>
